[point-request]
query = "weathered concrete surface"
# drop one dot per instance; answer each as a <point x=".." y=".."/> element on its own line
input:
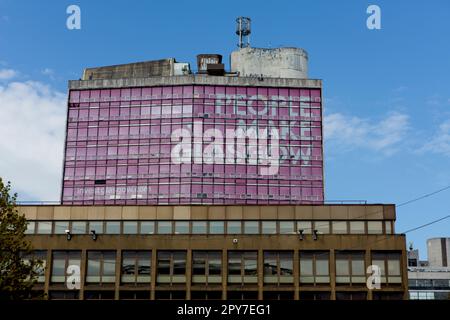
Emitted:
<point x="274" y="63"/>
<point x="131" y="70"/>
<point x="195" y="79"/>
<point x="439" y="252"/>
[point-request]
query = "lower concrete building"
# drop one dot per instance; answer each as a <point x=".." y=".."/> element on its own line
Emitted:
<point x="430" y="280"/>
<point x="295" y="252"/>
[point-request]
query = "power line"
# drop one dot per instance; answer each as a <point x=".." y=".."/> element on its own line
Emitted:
<point x="423" y="197"/>
<point x="427" y="224"/>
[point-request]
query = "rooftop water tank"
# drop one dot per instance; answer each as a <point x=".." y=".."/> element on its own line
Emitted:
<point x="271" y="63"/>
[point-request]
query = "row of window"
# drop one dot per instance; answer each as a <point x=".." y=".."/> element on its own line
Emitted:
<point x="217" y="295"/>
<point x="207" y="267"/>
<point x="435" y="284"/>
<point x="211" y="227"/>
<point x="429" y="295"/>
<point x="198" y="91"/>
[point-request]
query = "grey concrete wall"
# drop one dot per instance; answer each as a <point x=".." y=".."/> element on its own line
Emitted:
<point x="194" y="79"/>
<point x="275" y="63"/>
<point x="438" y="252"/>
<point x="131" y="70"/>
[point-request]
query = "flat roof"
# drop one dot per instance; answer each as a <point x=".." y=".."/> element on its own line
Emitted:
<point x="194" y="79"/>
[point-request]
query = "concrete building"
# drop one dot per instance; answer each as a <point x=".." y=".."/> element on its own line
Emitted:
<point x="159" y="203"/>
<point x="218" y="252"/>
<point x="429" y="280"/>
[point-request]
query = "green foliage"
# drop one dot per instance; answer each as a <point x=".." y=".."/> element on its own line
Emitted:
<point x="17" y="276"/>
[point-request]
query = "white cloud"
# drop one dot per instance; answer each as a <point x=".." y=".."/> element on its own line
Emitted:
<point x="6" y="74"/>
<point x="48" y="72"/>
<point x="350" y="132"/>
<point x="440" y="143"/>
<point x="32" y="129"/>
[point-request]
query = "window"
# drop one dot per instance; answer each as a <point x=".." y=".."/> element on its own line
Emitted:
<point x="207" y="267"/>
<point x="350" y="268"/>
<point x="147" y="227"/>
<point x="134" y="295"/>
<point x="251" y="227"/>
<point x="199" y="227"/>
<point x="234" y="227"/>
<point x="79" y="227"/>
<point x="37" y="255"/>
<point x="170" y="295"/>
<point x="306" y="226"/>
<point x="375" y="227"/>
<point x="390" y="266"/>
<point x="351" y="296"/>
<point x="357" y="227"/>
<point x="278" y="295"/>
<point x="242" y="295"/>
<point x="61" y="227"/>
<point x="206" y="295"/>
<point x="278" y="267"/>
<point x="339" y="227"/>
<point x="136" y="266"/>
<point x="64" y="295"/>
<point x="130" y="227"/>
<point x="164" y="227"/>
<point x="387" y="296"/>
<point x="101" y="267"/>
<point x="287" y="227"/>
<point x="30" y="227"/>
<point x="311" y="295"/>
<point x="388" y="226"/>
<point x="99" y="295"/>
<point x="322" y="227"/>
<point x="96" y="226"/>
<point x="171" y="267"/>
<point x="216" y="227"/>
<point x="242" y="267"/>
<point x="61" y="260"/>
<point x="269" y="227"/>
<point x="314" y="267"/>
<point x="113" y="227"/>
<point x="44" y="227"/>
<point x="181" y="227"/>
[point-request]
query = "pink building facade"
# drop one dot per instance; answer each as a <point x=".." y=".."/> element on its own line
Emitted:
<point x="122" y="145"/>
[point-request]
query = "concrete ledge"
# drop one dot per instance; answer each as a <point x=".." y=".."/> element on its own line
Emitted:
<point x="193" y="80"/>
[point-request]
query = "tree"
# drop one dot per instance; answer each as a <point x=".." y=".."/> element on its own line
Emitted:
<point x="17" y="275"/>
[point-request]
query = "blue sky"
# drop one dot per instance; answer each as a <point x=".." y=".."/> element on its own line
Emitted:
<point x="387" y="92"/>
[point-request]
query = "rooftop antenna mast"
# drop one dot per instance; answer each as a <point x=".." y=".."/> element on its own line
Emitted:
<point x="243" y="31"/>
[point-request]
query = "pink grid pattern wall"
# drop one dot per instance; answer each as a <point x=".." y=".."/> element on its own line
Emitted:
<point x="118" y="145"/>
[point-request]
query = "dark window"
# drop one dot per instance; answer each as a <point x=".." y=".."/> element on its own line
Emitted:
<point x="99" y="295"/>
<point x="278" y="295"/>
<point x="134" y="295"/>
<point x="278" y="267"/>
<point x="206" y="295"/>
<point x="242" y="295"/>
<point x="351" y="296"/>
<point x="170" y="295"/>
<point x="206" y="266"/>
<point x="136" y="266"/>
<point x="387" y="296"/>
<point x="64" y="295"/>
<point x="171" y="267"/>
<point x="311" y="295"/>
<point x="242" y="267"/>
